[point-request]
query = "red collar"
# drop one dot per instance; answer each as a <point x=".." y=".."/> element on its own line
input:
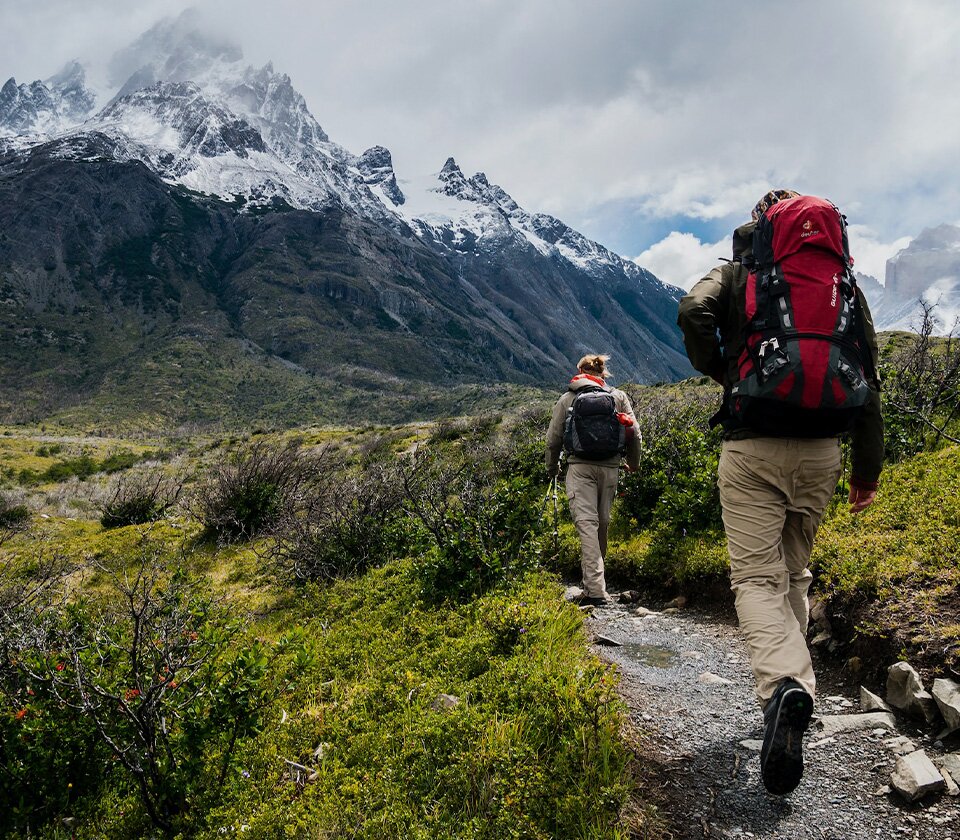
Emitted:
<point x="596" y="379"/>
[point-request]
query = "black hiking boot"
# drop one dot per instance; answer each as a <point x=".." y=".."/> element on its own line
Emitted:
<point x="593" y="601"/>
<point x="786" y="716"/>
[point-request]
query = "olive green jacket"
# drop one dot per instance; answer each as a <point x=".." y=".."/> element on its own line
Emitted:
<point x="712" y="317"/>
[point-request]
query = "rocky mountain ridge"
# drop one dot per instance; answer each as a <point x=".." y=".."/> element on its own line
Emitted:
<point x="205" y="204"/>
<point x="927" y="269"/>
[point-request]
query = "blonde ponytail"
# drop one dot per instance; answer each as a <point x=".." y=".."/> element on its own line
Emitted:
<point x="595" y="365"/>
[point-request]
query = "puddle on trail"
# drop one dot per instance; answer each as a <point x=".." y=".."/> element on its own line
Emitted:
<point x="656" y="656"/>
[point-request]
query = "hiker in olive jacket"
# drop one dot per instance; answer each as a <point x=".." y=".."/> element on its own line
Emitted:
<point x="591" y="485"/>
<point x="773" y="491"/>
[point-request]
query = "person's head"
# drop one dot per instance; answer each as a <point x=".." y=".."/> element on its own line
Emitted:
<point x="595" y="365"/>
<point x="770" y="199"/>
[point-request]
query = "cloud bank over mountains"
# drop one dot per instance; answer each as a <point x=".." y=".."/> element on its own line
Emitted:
<point x="620" y="118"/>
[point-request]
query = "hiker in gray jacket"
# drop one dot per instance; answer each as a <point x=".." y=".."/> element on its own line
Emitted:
<point x="591" y="481"/>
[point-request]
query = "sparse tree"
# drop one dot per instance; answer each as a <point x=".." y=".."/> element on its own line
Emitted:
<point x="922" y="387"/>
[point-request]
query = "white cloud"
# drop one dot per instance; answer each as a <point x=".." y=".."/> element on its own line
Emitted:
<point x="575" y="107"/>
<point x="682" y="259"/>
<point x="870" y="254"/>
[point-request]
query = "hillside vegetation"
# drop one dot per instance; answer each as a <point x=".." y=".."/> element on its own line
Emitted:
<point x="322" y="633"/>
<point x="360" y="632"/>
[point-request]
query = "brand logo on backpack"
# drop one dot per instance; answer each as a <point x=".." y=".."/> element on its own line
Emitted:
<point x="802" y="369"/>
<point x="593" y="430"/>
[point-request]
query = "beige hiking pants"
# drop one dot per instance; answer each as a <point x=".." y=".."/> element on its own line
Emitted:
<point x="773" y="492"/>
<point x="591" y="489"/>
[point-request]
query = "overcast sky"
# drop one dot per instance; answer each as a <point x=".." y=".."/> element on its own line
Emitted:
<point x="652" y="126"/>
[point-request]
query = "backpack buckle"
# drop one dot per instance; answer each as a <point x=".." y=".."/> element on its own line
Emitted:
<point x="777" y="360"/>
<point x="771" y="343"/>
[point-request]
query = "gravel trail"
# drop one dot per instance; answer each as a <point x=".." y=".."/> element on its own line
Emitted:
<point x="686" y="680"/>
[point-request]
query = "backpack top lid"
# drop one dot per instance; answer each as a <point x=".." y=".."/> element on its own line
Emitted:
<point x="805" y="221"/>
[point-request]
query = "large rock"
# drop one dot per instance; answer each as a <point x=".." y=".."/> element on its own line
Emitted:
<point x="905" y="691"/>
<point x="869" y="702"/>
<point x="951" y="762"/>
<point x="915" y="776"/>
<point x="834" y="724"/>
<point x="946" y="693"/>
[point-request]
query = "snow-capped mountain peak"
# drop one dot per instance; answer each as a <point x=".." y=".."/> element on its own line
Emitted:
<point x="192" y="111"/>
<point x="376" y="166"/>
<point x="45" y="107"/>
<point x="173" y="50"/>
<point x="177" y="117"/>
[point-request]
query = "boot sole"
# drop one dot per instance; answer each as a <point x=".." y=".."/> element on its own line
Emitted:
<point x="783" y="766"/>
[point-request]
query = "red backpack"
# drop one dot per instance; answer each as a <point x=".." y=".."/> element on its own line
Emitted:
<point x="805" y="362"/>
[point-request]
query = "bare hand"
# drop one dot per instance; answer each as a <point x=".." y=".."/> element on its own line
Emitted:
<point x="861" y="499"/>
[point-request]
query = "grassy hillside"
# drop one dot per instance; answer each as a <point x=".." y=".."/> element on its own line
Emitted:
<point x="159" y="680"/>
<point x="360" y="631"/>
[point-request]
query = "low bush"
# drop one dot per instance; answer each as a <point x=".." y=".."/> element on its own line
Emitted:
<point x="351" y="520"/>
<point x="148" y="689"/>
<point x="249" y="493"/>
<point x="119" y="461"/>
<point x="674" y="490"/>
<point x="483" y="530"/>
<point x="139" y="498"/>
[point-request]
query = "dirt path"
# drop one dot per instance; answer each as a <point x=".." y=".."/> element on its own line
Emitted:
<point x="704" y="741"/>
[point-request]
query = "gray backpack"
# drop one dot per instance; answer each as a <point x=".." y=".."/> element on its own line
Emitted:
<point x="592" y="430"/>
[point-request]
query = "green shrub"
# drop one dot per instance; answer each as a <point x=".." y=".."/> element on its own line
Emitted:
<point x="662" y="563"/>
<point x="674" y="490"/>
<point x="49" y="752"/>
<point x="118" y="461"/>
<point x="249" y="493"/>
<point x="138" y="499"/>
<point x="154" y="674"/>
<point x="83" y="466"/>
<point x="483" y="530"/>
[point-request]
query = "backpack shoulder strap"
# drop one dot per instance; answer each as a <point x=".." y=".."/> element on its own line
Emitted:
<point x="860" y="333"/>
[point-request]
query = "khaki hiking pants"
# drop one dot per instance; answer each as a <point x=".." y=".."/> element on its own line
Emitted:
<point x="773" y="492"/>
<point x="591" y="489"/>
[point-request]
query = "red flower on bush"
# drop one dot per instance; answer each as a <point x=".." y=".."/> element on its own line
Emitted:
<point x="60" y="666"/>
<point x="21" y="713"/>
<point x="132" y="694"/>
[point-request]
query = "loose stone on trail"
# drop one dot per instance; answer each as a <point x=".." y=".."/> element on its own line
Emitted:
<point x="905" y="692"/>
<point x="915" y="776"/>
<point x="946" y="693"/>
<point x="708" y="678"/>
<point x="870" y="702"/>
<point x="952" y="788"/>
<point x="901" y="745"/>
<point x="835" y="724"/>
<point x="606" y="641"/>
